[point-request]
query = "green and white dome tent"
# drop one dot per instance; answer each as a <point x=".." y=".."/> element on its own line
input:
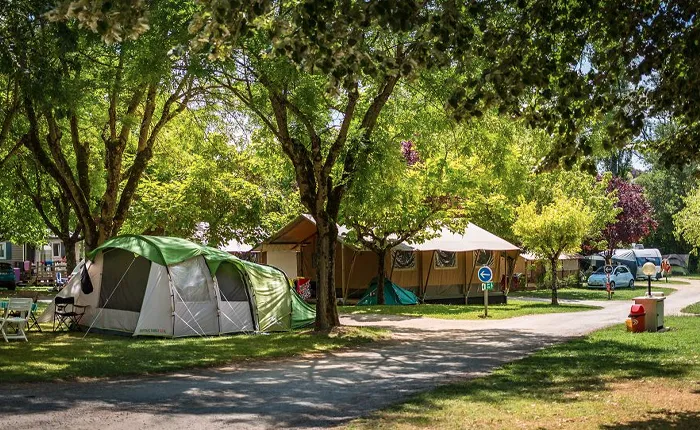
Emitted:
<point x="171" y="287"/>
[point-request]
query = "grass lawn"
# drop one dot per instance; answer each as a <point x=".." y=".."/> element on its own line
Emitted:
<point x="671" y="281"/>
<point x="50" y="356"/>
<point x="514" y="308"/>
<point x="609" y="380"/>
<point x="41" y="292"/>
<point x="692" y="309"/>
<point x="592" y="294"/>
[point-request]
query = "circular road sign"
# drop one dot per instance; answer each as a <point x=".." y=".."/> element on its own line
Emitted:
<point x="485" y="274"/>
<point x="608" y="269"/>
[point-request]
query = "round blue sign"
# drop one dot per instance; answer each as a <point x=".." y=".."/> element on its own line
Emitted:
<point x="485" y="274"/>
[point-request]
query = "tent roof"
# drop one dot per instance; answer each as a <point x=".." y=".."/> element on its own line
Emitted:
<point x="298" y="232"/>
<point x="303" y="228"/>
<point x="165" y="250"/>
<point x="532" y="257"/>
<point x="474" y="238"/>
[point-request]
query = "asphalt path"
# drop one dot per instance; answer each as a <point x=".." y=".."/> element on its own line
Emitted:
<point x="309" y="392"/>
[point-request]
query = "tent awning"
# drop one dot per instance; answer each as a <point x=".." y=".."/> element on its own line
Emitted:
<point x="474" y="238"/>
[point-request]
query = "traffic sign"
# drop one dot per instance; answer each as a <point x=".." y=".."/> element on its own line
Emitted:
<point x="485" y="274"/>
<point x="608" y="269"/>
<point x="486" y="286"/>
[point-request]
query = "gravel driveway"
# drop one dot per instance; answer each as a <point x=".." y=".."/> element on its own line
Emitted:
<point x="319" y="391"/>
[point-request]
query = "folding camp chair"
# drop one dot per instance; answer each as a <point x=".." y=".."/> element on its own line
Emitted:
<point x="16" y="316"/>
<point x="66" y="314"/>
<point x="33" y="323"/>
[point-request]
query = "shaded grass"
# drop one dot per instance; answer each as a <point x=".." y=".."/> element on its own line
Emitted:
<point x="692" y="309"/>
<point x="50" y="356"/>
<point x="514" y="308"/>
<point x="41" y="292"/>
<point x="610" y="379"/>
<point x="592" y="294"/>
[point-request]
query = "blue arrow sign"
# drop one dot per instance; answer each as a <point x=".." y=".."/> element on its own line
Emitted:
<point x="485" y="274"/>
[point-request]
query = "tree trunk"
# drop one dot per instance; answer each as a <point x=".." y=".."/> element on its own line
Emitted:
<point x="553" y="262"/>
<point x="326" y="311"/>
<point x="380" y="277"/>
<point x="70" y="255"/>
<point x="608" y="254"/>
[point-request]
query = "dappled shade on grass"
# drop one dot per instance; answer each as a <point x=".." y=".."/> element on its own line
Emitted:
<point x="49" y="356"/>
<point x="592" y="294"/>
<point x="610" y="377"/>
<point x="514" y="308"/>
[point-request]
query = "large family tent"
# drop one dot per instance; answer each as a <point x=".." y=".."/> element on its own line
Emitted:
<point x="164" y="286"/>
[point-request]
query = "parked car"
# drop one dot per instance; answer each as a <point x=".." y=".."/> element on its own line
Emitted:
<point x="7" y="276"/>
<point x="619" y="278"/>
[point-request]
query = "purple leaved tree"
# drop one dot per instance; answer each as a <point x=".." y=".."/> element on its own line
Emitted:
<point x="634" y="222"/>
<point x="409" y="152"/>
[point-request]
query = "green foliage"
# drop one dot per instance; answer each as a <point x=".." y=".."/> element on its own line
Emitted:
<point x="202" y="185"/>
<point x="19" y="220"/>
<point x="687" y="221"/>
<point x="666" y="188"/>
<point x="554" y="228"/>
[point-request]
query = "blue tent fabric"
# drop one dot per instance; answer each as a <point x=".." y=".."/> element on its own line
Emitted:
<point x="626" y="259"/>
<point x="393" y="295"/>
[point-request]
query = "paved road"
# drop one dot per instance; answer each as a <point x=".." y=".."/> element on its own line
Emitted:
<point x="311" y="392"/>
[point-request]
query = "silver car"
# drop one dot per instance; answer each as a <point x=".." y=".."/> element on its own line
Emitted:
<point x="619" y="278"/>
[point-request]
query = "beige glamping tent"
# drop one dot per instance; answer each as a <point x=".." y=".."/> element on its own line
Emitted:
<point x="440" y="269"/>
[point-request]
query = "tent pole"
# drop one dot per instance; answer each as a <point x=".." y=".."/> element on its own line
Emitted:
<point x="393" y="263"/>
<point x="471" y="278"/>
<point x="352" y="266"/>
<point x="427" y="278"/>
<point x="343" y="286"/>
<point x="464" y="280"/>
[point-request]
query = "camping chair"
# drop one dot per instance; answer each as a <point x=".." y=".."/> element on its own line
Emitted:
<point x="67" y="314"/>
<point x="33" y="323"/>
<point x="20" y="308"/>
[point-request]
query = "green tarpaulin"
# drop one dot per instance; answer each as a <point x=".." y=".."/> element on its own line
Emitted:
<point x="393" y="295"/>
<point x="277" y="304"/>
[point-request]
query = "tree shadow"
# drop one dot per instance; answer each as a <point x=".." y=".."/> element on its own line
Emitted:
<point x="554" y="375"/>
<point x="664" y="420"/>
<point x="318" y="391"/>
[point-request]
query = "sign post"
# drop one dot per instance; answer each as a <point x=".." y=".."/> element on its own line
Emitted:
<point x="485" y="275"/>
<point x="608" y="270"/>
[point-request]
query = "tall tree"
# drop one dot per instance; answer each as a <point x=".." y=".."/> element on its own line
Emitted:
<point x="318" y="75"/>
<point x="634" y="221"/>
<point x="402" y="197"/>
<point x="556" y="228"/>
<point x="687" y="221"/>
<point x="50" y="203"/>
<point x="85" y="103"/>
<point x="665" y="189"/>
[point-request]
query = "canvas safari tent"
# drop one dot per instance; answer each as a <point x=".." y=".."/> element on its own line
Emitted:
<point x="534" y="268"/>
<point x="440" y="269"/>
<point x="164" y="286"/>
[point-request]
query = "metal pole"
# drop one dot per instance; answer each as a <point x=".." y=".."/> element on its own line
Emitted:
<point x="486" y="302"/>
<point x="649" y="286"/>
